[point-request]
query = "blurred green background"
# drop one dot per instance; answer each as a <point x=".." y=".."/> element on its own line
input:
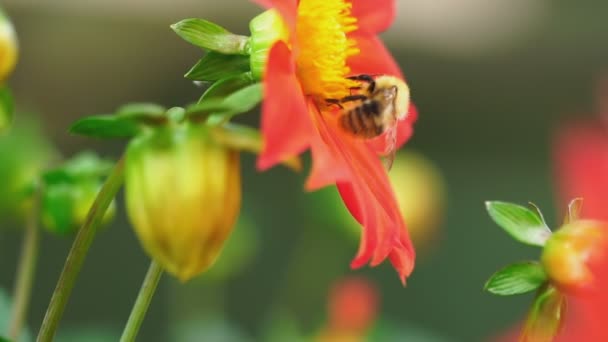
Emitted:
<point x="491" y="80"/>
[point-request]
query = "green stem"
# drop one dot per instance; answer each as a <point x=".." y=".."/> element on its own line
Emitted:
<point x="25" y="273"/>
<point x="142" y="303"/>
<point x="77" y="254"/>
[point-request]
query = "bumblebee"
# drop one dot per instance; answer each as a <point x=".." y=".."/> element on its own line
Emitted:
<point x="374" y="108"/>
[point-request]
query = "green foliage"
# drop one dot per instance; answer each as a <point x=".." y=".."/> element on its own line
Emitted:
<point x="523" y="224"/>
<point x="545" y="316"/>
<point x="24" y="153"/>
<point x="227" y="86"/>
<point x="6" y="108"/>
<point x="210" y="36"/>
<point x="516" y="279"/>
<point x="216" y="66"/>
<point x="69" y="191"/>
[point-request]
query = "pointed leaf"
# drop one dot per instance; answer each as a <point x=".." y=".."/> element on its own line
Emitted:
<point x="215" y="66"/>
<point x="210" y="36"/>
<point x="523" y="224"/>
<point x="239" y="102"/>
<point x="574" y="210"/>
<point x="141" y="110"/>
<point x="6" y="108"/>
<point x="227" y="86"/>
<point x="105" y="126"/>
<point x="516" y="278"/>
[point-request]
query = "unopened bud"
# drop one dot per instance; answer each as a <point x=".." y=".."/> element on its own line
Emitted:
<point x="183" y="194"/>
<point x="266" y="29"/>
<point x="570" y="251"/>
<point x="8" y="47"/>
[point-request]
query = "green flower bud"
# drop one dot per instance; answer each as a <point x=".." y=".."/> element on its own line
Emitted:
<point x="65" y="206"/>
<point x="8" y="47"/>
<point x="183" y="194"/>
<point x="266" y="28"/>
<point x="24" y="153"/>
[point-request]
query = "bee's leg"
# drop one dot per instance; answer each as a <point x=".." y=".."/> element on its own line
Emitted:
<point x="365" y="78"/>
<point x="351" y="98"/>
<point x="354" y="88"/>
<point x="334" y="102"/>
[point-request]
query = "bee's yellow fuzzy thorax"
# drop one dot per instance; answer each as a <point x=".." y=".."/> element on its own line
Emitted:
<point x="323" y="47"/>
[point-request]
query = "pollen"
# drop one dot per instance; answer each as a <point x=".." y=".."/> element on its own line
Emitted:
<point x="323" y="47"/>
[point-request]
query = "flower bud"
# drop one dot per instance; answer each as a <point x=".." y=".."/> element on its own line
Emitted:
<point x="8" y="47"/>
<point x="65" y="206"/>
<point x="183" y="194"/>
<point x="569" y="253"/>
<point x="266" y="28"/>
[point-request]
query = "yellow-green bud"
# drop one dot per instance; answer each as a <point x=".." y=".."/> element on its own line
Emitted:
<point x="569" y="252"/>
<point x="183" y="195"/>
<point x="65" y="206"/>
<point x="266" y="28"/>
<point x="8" y="47"/>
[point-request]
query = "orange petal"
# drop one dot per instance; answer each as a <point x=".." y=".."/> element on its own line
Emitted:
<point x="287" y="8"/>
<point x="405" y="130"/>
<point x="374" y="58"/>
<point x="367" y="193"/>
<point x="285" y="125"/>
<point x="374" y="16"/>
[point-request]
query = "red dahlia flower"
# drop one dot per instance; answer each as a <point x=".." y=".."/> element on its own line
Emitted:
<point x="322" y="43"/>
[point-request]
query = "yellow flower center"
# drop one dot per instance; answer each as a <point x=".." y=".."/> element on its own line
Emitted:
<point x="323" y="47"/>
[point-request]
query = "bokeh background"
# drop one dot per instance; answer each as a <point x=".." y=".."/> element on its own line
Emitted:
<point x="491" y="79"/>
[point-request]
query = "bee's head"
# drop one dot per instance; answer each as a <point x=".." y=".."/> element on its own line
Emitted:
<point x="395" y="90"/>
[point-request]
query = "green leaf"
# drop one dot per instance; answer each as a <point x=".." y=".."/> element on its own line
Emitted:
<point x="106" y="126"/>
<point x="4" y="339"/>
<point x="227" y="86"/>
<point x="215" y="66"/>
<point x="6" y="108"/>
<point x="85" y="165"/>
<point x="546" y="316"/>
<point x="574" y="210"/>
<point x="210" y="36"/>
<point x="516" y="279"/>
<point x="141" y="111"/>
<point x="241" y="101"/>
<point x="523" y="224"/>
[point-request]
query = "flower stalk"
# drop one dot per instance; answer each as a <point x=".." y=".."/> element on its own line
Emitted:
<point x="78" y="252"/>
<point x="142" y="302"/>
<point x="25" y="273"/>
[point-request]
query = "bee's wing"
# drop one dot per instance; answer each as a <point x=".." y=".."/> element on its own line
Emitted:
<point x="389" y="152"/>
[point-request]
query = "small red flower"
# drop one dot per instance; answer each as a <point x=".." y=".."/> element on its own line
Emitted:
<point x="326" y="41"/>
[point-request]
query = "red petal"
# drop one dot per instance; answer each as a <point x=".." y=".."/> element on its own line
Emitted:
<point x="285" y="125"/>
<point x="287" y="8"/>
<point x="367" y="193"/>
<point x="374" y="16"/>
<point x="374" y="58"/>
<point x="405" y="130"/>
<point x="581" y="155"/>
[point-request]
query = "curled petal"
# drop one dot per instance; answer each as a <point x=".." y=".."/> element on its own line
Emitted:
<point x="368" y="195"/>
<point x="374" y="58"/>
<point x="285" y="125"/>
<point x="374" y="16"/>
